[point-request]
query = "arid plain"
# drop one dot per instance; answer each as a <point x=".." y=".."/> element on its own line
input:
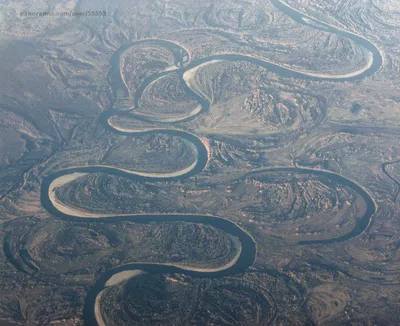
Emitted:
<point x="242" y="154"/>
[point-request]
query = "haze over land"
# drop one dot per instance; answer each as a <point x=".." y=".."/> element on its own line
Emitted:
<point x="199" y="163"/>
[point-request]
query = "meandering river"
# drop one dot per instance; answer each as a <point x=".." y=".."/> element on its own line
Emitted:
<point x="246" y="248"/>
